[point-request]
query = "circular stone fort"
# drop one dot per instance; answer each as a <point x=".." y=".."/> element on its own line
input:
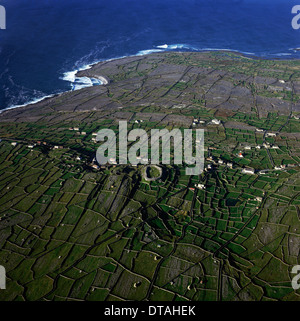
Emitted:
<point x="152" y="173"/>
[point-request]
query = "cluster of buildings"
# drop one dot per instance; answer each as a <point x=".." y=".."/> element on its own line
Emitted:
<point x="218" y="161"/>
<point x="265" y="145"/>
<point x="77" y="130"/>
<point x="197" y="121"/>
<point x="74" y="128"/>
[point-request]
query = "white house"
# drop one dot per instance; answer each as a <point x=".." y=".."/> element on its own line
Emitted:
<point x="216" y="121"/>
<point x="248" y="170"/>
<point x="112" y="160"/>
<point x="200" y="186"/>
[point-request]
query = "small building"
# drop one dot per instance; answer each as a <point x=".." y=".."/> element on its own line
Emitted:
<point x="230" y="165"/>
<point x="263" y="172"/>
<point x="216" y="121"/>
<point x="248" y="170"/>
<point x="200" y="186"/>
<point x="240" y="155"/>
<point x="112" y="160"/>
<point x="14" y="143"/>
<point x="247" y="147"/>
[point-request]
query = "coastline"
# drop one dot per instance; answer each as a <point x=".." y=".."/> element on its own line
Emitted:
<point x="75" y="75"/>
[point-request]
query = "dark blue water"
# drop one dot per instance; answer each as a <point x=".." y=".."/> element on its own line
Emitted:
<point x="46" y="38"/>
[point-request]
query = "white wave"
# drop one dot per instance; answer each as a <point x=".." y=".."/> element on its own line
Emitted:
<point x="69" y="76"/>
<point x="226" y="49"/>
<point x="176" y="46"/>
<point x="189" y="47"/>
<point x="147" y="52"/>
<point x="78" y="83"/>
<point x="34" y="101"/>
<point x="283" y="54"/>
<point x="165" y="46"/>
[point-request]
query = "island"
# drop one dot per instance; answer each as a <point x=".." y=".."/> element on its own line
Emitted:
<point x="73" y="229"/>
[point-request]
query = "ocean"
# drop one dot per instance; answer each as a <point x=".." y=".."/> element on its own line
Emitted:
<point x="46" y="41"/>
